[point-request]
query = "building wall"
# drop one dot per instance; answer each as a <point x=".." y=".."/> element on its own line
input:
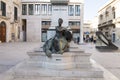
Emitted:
<point x="11" y="24"/>
<point x="87" y="28"/>
<point x="117" y="20"/>
<point x="109" y="24"/>
<point x="34" y="22"/>
<point x="33" y="29"/>
<point x="90" y="27"/>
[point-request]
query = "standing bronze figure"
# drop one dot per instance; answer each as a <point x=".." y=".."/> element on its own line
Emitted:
<point x="60" y="42"/>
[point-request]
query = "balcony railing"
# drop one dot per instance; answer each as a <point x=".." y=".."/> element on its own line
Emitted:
<point x="110" y="22"/>
<point x="59" y="2"/>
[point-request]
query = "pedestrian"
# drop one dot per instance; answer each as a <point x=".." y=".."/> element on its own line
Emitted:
<point x="87" y="38"/>
<point x="94" y="39"/>
<point x="78" y="39"/>
<point x="84" y="38"/>
<point x="91" y="39"/>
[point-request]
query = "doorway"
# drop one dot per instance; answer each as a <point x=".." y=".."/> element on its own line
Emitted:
<point x="24" y="29"/>
<point x="113" y="37"/>
<point x="3" y="31"/>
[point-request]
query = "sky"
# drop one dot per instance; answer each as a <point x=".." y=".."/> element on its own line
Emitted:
<point x="91" y="8"/>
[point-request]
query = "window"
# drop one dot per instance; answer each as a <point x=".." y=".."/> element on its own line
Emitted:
<point x="71" y="10"/>
<point x="49" y="9"/>
<point x="78" y="23"/>
<point x="15" y="13"/>
<point x="113" y="12"/>
<point x="43" y="22"/>
<point x="77" y="10"/>
<point x="37" y="9"/>
<point x="114" y="15"/>
<point x="101" y="17"/>
<point x="46" y="23"/>
<point x="44" y="8"/>
<point x="74" y="23"/>
<point x="3" y="8"/>
<point x="44" y="36"/>
<point x="106" y="13"/>
<point x="30" y="9"/>
<point x="71" y="23"/>
<point x="24" y="9"/>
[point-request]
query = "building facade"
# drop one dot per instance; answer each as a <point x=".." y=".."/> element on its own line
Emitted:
<point x="109" y="20"/>
<point x="40" y="17"/>
<point x="10" y="12"/>
<point x="87" y="29"/>
<point x="90" y="27"/>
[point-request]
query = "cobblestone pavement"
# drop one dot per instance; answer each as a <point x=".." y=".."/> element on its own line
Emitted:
<point x="13" y="53"/>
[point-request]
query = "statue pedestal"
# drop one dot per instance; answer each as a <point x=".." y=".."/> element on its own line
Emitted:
<point x="73" y="65"/>
<point x="69" y="60"/>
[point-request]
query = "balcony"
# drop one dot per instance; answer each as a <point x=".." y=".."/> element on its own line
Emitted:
<point x="110" y="22"/>
<point x="59" y="2"/>
<point x="99" y="25"/>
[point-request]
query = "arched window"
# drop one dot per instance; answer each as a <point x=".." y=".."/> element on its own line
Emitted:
<point x="106" y="13"/>
<point x="101" y="16"/>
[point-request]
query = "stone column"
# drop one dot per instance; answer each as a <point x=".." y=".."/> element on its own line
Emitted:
<point x="81" y="26"/>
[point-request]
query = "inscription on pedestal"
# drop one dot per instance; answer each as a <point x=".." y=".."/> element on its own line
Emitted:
<point x="58" y="59"/>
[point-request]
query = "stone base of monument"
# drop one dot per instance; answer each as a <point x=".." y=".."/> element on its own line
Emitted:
<point x="73" y="65"/>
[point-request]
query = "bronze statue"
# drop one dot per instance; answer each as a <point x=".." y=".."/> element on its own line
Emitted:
<point x="60" y="42"/>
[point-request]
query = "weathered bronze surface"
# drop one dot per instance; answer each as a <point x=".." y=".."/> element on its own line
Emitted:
<point x="60" y="42"/>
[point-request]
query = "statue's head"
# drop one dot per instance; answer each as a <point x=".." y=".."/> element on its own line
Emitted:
<point x="60" y="21"/>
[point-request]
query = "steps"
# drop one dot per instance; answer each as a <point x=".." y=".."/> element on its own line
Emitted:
<point x="73" y="65"/>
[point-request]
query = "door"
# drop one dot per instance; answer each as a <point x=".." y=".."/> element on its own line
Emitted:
<point x="113" y="37"/>
<point x="24" y="29"/>
<point x="3" y="32"/>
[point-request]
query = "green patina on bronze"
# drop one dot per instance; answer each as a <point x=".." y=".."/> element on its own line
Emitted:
<point x="60" y="42"/>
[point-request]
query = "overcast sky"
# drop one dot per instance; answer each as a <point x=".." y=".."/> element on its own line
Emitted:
<point x="91" y="8"/>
